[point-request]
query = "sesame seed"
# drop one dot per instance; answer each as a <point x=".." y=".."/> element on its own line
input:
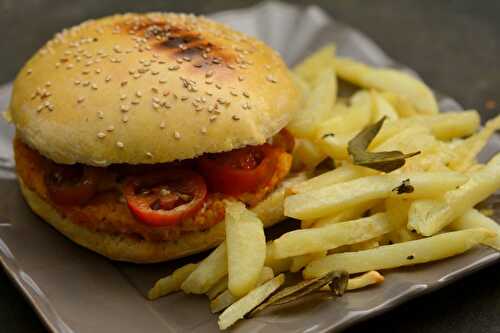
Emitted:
<point x="218" y="86"/>
<point x="177" y="135"/>
<point x="246" y="94"/>
<point x="123" y="97"/>
<point x="123" y="83"/>
<point x="149" y="155"/>
<point x="125" y="118"/>
<point x="235" y="117"/>
<point x="156" y="99"/>
<point x="48" y="84"/>
<point x="40" y="108"/>
<point x="76" y="82"/>
<point x="156" y="106"/>
<point x="80" y="99"/>
<point x="162" y="125"/>
<point x="120" y="144"/>
<point x="97" y="71"/>
<point x="138" y="93"/>
<point x="108" y="78"/>
<point x="271" y="79"/>
<point x="241" y="78"/>
<point x="100" y="114"/>
<point x="173" y="68"/>
<point x="212" y="118"/>
<point x="155" y="72"/>
<point x="29" y="71"/>
<point x="209" y="73"/>
<point x="94" y="86"/>
<point x="50" y="107"/>
<point x="85" y="83"/>
<point x="101" y="135"/>
<point x="203" y="130"/>
<point x="162" y="81"/>
<point x="124" y="108"/>
<point x="135" y="102"/>
<point x="233" y="93"/>
<point x="110" y="128"/>
<point x="231" y="66"/>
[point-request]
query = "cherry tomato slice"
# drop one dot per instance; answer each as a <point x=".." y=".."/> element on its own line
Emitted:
<point x="239" y="171"/>
<point x="71" y="184"/>
<point x="166" y="197"/>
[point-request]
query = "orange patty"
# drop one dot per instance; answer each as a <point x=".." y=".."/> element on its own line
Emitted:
<point x="107" y="211"/>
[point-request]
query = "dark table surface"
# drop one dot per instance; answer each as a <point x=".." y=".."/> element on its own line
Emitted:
<point x="454" y="45"/>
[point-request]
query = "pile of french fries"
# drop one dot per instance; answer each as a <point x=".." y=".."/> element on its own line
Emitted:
<point x="355" y="218"/>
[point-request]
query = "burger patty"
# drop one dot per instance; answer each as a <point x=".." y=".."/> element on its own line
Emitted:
<point x="108" y="212"/>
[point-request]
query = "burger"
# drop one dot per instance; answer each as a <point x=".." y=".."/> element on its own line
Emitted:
<point x="132" y="130"/>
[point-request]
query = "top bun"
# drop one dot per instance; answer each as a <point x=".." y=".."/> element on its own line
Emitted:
<point x="150" y="88"/>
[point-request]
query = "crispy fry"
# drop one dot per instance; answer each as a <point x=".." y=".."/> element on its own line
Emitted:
<point x="334" y="198"/>
<point x="429" y="216"/>
<point x="403" y="254"/>
<point x="313" y="65"/>
<point x="474" y="219"/>
<point x="246" y="248"/>
<point x="246" y="304"/>
<point x="171" y="283"/>
<point x="318" y="106"/>
<point x="209" y="271"/>
<point x="388" y="80"/>
<point x="305" y="241"/>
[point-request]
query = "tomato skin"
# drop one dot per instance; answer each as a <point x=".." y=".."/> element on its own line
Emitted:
<point x="158" y="210"/>
<point x="239" y="171"/>
<point x="70" y="184"/>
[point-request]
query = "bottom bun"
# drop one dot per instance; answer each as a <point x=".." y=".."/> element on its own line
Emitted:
<point x="126" y="248"/>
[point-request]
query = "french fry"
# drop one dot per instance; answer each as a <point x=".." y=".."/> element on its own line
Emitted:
<point x="246" y="248"/>
<point x="474" y="219"/>
<point x="271" y="208"/>
<point x="334" y="134"/>
<point x="381" y="107"/>
<point x="209" y="271"/>
<point x="341" y="174"/>
<point x="303" y="86"/>
<point x="388" y="80"/>
<point x="277" y="265"/>
<point x="348" y="214"/>
<point x="305" y="241"/>
<point x="306" y="155"/>
<point x="428" y="217"/>
<point x="311" y="67"/>
<point x="217" y="289"/>
<point x="172" y="282"/>
<point x="443" y="126"/>
<point x="247" y="303"/>
<point x="402" y="106"/>
<point x="318" y="106"/>
<point x="466" y="152"/>
<point x="225" y="298"/>
<point x="301" y="261"/>
<point x="403" y="254"/>
<point x="364" y="280"/>
<point x="334" y="198"/>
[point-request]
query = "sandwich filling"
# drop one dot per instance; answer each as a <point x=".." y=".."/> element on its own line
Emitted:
<point x="157" y="202"/>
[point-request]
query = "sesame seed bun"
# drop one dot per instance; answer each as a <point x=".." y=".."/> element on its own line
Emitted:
<point x="150" y="88"/>
<point x="125" y="248"/>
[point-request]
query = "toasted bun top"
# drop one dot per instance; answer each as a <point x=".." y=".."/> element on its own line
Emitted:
<point x="148" y="89"/>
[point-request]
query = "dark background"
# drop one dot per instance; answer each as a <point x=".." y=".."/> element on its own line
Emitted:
<point x="453" y="45"/>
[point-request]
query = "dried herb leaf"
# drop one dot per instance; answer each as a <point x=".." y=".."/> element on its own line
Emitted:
<point x="405" y="187"/>
<point x="328" y="135"/>
<point x="385" y="161"/>
<point x="337" y="280"/>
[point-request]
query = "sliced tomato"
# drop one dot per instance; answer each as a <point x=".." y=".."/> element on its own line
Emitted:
<point x="71" y="184"/>
<point x="166" y="197"/>
<point x="241" y="170"/>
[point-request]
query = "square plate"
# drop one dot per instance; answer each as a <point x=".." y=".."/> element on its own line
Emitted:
<point x="75" y="290"/>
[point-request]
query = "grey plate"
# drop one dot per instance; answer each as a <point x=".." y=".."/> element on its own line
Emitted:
<point x="75" y="290"/>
